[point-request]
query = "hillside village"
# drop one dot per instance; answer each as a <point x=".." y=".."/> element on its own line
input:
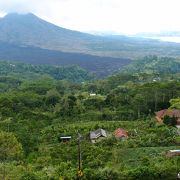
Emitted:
<point x="126" y="123"/>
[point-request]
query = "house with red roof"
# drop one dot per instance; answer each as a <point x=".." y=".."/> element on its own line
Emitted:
<point x="121" y="133"/>
<point x="168" y="112"/>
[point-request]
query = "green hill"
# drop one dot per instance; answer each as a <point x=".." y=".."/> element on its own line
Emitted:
<point x="154" y="64"/>
<point x="38" y="106"/>
<point x="29" y="71"/>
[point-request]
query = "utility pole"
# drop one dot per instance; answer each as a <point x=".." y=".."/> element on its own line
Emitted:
<point x="80" y="173"/>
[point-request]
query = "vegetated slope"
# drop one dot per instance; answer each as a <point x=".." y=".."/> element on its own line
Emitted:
<point x="28" y="71"/>
<point x="99" y="66"/>
<point x="146" y="70"/>
<point x="36" y="113"/>
<point x="32" y="31"/>
<point x="154" y="64"/>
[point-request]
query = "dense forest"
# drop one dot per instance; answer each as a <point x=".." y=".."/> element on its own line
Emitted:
<point x="155" y="65"/>
<point x="39" y="104"/>
<point x="22" y="71"/>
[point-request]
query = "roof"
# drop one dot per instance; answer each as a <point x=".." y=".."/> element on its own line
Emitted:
<point x="98" y="133"/>
<point x="177" y="150"/>
<point x="92" y="94"/>
<point x="160" y="113"/>
<point x="65" y="137"/>
<point x="172" y="153"/>
<point x="168" y="112"/>
<point x="120" y="133"/>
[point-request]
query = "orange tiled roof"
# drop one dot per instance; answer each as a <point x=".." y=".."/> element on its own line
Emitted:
<point x="168" y="112"/>
<point x="120" y="133"/>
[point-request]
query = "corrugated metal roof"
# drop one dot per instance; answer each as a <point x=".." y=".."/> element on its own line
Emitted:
<point x="98" y="133"/>
<point x="177" y="150"/>
<point x="65" y="137"/>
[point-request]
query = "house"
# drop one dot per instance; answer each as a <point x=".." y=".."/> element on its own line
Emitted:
<point x="172" y="153"/>
<point x="168" y="112"/>
<point x="121" y="133"/>
<point x="94" y="135"/>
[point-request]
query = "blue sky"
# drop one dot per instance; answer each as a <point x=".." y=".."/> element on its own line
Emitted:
<point x="121" y="16"/>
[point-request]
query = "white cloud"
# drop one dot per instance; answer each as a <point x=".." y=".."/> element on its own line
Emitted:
<point x="127" y="16"/>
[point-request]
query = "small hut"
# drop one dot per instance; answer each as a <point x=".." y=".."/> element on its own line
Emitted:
<point x="121" y="134"/>
<point x="99" y="133"/>
<point x="64" y="138"/>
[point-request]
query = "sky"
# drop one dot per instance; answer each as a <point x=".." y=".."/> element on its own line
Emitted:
<point x="114" y="16"/>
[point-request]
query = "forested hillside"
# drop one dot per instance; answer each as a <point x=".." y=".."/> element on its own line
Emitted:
<point x="35" y="112"/>
<point x="155" y="65"/>
<point x="12" y="70"/>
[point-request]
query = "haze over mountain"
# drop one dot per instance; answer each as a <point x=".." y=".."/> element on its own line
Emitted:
<point x="168" y="36"/>
<point x="159" y="34"/>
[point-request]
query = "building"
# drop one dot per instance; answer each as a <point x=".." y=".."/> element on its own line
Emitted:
<point x="168" y="112"/>
<point x="121" y="133"/>
<point x="172" y="153"/>
<point x="65" y="138"/>
<point x="99" y="133"/>
<point x="92" y="94"/>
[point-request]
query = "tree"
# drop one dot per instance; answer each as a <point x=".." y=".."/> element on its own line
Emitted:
<point x="68" y="106"/>
<point x="10" y="148"/>
<point x="175" y="103"/>
<point x="52" y="97"/>
<point x="28" y="176"/>
<point x="171" y="121"/>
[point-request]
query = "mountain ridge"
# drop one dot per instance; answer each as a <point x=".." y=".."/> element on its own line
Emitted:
<point x="30" y="30"/>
